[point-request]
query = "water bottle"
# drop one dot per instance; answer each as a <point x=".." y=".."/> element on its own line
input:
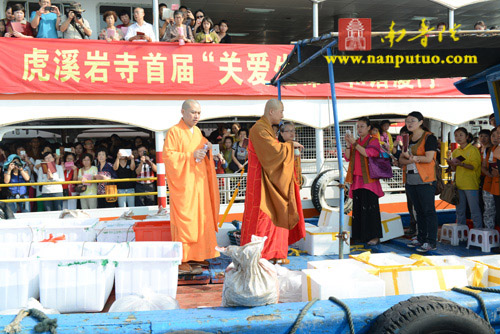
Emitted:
<point x="204" y="148"/>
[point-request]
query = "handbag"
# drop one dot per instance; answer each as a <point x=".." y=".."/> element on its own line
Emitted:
<point x="450" y="193"/>
<point x="439" y="179"/>
<point x="111" y="189"/>
<point x="80" y="188"/>
<point x="379" y="167"/>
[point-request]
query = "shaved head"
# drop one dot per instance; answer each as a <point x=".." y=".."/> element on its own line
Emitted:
<point x="272" y="104"/>
<point x="273" y="111"/>
<point x="191" y="111"/>
<point x="188" y="104"/>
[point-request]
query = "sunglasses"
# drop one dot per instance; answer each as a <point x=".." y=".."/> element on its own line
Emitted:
<point x="200" y="17"/>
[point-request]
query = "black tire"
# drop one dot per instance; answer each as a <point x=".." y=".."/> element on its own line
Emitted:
<point x="318" y="188"/>
<point x="427" y="315"/>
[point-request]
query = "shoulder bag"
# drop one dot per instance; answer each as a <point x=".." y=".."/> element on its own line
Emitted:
<point x="450" y="193"/>
<point x="379" y="167"/>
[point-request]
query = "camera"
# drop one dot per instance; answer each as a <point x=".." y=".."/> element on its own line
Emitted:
<point x="17" y="163"/>
<point x="78" y="15"/>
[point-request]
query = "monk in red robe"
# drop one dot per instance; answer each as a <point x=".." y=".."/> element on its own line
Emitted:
<point x="272" y="201"/>
<point x="194" y="193"/>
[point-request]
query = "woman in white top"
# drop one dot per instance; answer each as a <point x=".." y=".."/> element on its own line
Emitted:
<point x="88" y="172"/>
<point x="45" y="174"/>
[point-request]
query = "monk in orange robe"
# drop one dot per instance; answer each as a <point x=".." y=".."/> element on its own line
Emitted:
<point x="194" y="194"/>
<point x="272" y="200"/>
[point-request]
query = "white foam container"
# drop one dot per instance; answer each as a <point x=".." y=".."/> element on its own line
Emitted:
<point x="222" y="237"/>
<point x="301" y="244"/>
<point x="18" y="275"/>
<point x="115" y="231"/>
<point x="324" y="241"/>
<point x="351" y="282"/>
<point x="392" y="226"/>
<point x="331" y="218"/>
<point x="493" y="264"/>
<point x="74" y="229"/>
<point x="472" y="268"/>
<point x="153" y="265"/>
<point x="339" y="264"/>
<point x="76" y="277"/>
<point x="20" y="231"/>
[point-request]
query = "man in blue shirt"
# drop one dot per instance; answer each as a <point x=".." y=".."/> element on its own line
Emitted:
<point x="46" y="20"/>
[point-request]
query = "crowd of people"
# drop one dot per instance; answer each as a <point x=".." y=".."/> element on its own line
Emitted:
<point x="180" y="26"/>
<point x="473" y="163"/>
<point x="38" y="161"/>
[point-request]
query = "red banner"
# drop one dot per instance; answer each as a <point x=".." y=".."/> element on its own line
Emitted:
<point x="98" y="67"/>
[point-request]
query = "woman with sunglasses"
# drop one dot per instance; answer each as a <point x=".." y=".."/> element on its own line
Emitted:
<point x="199" y="16"/>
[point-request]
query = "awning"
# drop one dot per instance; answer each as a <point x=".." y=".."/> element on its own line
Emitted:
<point x="485" y="48"/>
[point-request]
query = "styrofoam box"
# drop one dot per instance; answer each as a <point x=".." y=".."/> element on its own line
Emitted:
<point x="472" y="268"/>
<point x="422" y="279"/>
<point x="115" y="231"/>
<point x="493" y="264"/>
<point x="222" y="237"/>
<point x="19" y="231"/>
<point x="402" y="278"/>
<point x="300" y="245"/>
<point x="152" y="265"/>
<point x="331" y="218"/>
<point x="77" y="277"/>
<point x="351" y="282"/>
<point x="338" y="264"/>
<point x="392" y="226"/>
<point x="74" y="229"/>
<point x="18" y="275"/>
<point x="324" y="241"/>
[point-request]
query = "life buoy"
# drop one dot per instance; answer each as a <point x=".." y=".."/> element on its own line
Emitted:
<point x="429" y="314"/>
<point x="318" y="190"/>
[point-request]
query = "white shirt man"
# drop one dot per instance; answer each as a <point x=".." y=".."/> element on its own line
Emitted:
<point x="145" y="30"/>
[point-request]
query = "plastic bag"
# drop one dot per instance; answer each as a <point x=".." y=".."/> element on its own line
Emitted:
<point x="250" y="280"/>
<point x="32" y="303"/>
<point x="149" y="301"/>
<point x="73" y="214"/>
<point x="290" y="282"/>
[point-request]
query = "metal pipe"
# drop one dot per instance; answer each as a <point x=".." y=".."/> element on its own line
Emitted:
<point x="279" y="90"/>
<point x="156" y="15"/>
<point x="320" y="149"/>
<point x="27" y="184"/>
<point x="339" y="153"/>
<point x="451" y="18"/>
<point x="315" y="18"/>
<point x="63" y="198"/>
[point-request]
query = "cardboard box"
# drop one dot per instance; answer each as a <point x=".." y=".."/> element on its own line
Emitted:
<point x="351" y="282"/>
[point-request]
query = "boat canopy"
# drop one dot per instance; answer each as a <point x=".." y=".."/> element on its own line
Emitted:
<point x="485" y="47"/>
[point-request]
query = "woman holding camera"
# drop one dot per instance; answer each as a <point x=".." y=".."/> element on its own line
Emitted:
<point x="125" y="169"/>
<point x="365" y="191"/>
<point x="105" y="171"/>
<point x="70" y="174"/>
<point x="87" y="172"/>
<point x="47" y="20"/>
<point x="51" y="172"/>
<point x="466" y="162"/>
<point x="15" y="173"/>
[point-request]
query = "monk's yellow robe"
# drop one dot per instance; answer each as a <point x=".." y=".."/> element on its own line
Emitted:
<point x="194" y="194"/>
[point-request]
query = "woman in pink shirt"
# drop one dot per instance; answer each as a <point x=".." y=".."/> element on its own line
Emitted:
<point x="365" y="191"/>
